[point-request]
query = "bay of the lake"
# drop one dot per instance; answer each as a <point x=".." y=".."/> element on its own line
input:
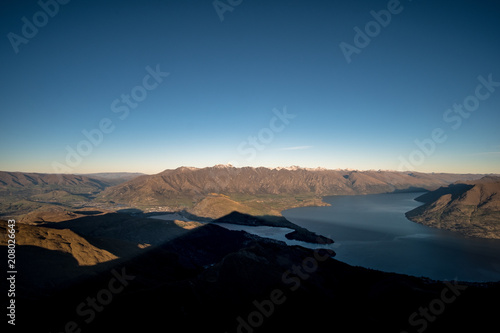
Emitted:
<point x="372" y="231"/>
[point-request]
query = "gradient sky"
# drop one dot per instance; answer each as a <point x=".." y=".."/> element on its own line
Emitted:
<point x="230" y="79"/>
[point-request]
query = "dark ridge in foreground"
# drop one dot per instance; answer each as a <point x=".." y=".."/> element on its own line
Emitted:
<point x="215" y="280"/>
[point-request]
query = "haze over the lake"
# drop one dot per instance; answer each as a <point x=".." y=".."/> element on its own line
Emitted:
<point x="99" y="86"/>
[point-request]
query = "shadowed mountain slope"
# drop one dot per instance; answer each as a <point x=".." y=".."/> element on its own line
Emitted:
<point x="215" y="280"/>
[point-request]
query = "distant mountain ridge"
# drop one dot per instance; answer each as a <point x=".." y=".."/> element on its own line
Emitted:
<point x="23" y="179"/>
<point x="194" y="183"/>
<point x="22" y="192"/>
<point x="210" y="192"/>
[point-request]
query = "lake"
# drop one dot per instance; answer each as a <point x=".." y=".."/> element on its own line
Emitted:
<point x="372" y="231"/>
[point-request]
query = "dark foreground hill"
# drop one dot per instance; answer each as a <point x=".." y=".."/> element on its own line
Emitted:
<point x="471" y="208"/>
<point x="214" y="280"/>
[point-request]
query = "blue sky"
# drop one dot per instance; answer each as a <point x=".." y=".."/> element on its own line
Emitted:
<point x="269" y="85"/>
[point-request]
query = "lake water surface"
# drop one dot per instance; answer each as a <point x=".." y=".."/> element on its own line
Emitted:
<point x="372" y="231"/>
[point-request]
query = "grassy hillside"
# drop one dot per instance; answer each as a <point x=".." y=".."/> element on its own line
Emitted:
<point x="471" y="208"/>
<point x="260" y="190"/>
<point x="22" y="193"/>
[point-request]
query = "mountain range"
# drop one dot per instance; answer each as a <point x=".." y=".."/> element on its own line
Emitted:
<point x="227" y="179"/>
<point x="262" y="190"/>
<point x="22" y="193"/>
<point x="210" y="192"/>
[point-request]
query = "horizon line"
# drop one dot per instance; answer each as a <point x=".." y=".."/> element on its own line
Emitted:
<point x="290" y="168"/>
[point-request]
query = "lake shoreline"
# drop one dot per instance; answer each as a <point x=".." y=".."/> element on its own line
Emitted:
<point x="380" y="237"/>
